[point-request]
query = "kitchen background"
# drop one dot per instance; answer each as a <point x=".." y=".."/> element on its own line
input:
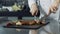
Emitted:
<point x="3" y="20"/>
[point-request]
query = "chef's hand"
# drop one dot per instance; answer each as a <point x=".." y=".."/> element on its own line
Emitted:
<point x="34" y="10"/>
<point x="54" y="7"/>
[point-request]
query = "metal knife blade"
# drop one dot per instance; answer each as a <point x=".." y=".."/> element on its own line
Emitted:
<point x="45" y="16"/>
<point x="35" y="18"/>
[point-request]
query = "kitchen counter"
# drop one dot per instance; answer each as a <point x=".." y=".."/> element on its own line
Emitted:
<point x="13" y="31"/>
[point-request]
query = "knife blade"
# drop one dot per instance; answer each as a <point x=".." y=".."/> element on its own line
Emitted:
<point x="35" y="17"/>
<point x="45" y="16"/>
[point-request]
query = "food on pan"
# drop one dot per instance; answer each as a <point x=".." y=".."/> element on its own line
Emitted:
<point x="26" y="22"/>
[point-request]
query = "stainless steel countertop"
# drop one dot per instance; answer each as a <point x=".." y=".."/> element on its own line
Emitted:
<point x="13" y="31"/>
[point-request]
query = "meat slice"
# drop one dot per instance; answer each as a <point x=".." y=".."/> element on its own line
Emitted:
<point x="27" y="22"/>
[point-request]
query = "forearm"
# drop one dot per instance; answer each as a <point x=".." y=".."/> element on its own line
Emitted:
<point x="57" y="1"/>
<point x="34" y="6"/>
<point x="32" y="3"/>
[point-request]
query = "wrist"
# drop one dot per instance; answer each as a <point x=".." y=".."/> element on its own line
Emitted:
<point x="57" y="2"/>
<point x="34" y="6"/>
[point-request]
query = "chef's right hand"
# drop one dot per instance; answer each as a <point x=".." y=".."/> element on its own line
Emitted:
<point x="34" y="10"/>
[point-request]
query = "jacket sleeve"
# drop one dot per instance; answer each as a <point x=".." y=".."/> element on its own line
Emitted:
<point x="30" y="2"/>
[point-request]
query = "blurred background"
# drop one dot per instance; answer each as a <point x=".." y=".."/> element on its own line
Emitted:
<point x="14" y="8"/>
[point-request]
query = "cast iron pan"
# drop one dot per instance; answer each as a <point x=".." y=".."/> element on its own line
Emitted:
<point x="25" y="26"/>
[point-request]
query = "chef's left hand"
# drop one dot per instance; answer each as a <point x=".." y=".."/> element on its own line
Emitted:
<point x="53" y="8"/>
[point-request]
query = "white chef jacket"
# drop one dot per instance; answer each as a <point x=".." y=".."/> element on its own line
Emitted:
<point x="44" y="4"/>
<point x="44" y="7"/>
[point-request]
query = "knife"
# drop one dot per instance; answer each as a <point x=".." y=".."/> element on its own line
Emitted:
<point x="35" y="17"/>
<point x="45" y="16"/>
